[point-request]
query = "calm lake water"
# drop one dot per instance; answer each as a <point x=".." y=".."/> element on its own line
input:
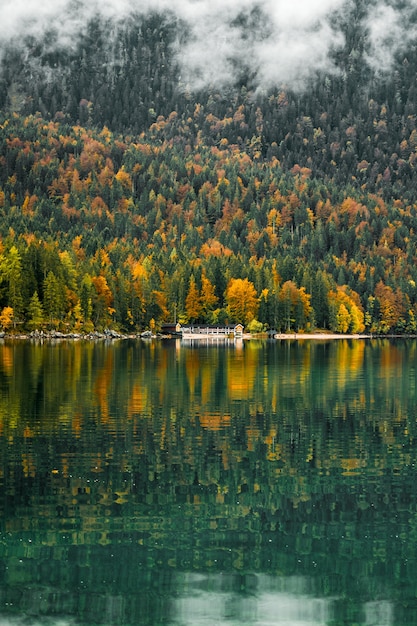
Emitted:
<point x="183" y="485"/>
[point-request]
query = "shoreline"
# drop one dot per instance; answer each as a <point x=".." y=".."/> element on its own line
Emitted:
<point x="112" y="335"/>
<point x="323" y="336"/>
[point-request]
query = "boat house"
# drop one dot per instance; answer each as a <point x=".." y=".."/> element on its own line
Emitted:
<point x="171" y="329"/>
<point x="212" y="331"/>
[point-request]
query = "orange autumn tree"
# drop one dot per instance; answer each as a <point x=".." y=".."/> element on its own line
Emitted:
<point x="6" y="317"/>
<point x="103" y="301"/>
<point x="193" y="305"/>
<point x="242" y="300"/>
<point x="208" y="297"/>
<point x="391" y="304"/>
<point x="139" y="276"/>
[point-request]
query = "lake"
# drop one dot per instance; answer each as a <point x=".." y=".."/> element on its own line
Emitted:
<point x="249" y="483"/>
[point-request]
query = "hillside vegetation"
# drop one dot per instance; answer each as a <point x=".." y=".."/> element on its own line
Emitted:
<point x="127" y="202"/>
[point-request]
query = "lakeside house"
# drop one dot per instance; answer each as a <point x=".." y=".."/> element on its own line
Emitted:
<point x="203" y="331"/>
<point x="171" y="329"/>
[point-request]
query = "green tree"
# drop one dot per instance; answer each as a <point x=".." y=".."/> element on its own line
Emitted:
<point x="321" y="286"/>
<point x="295" y="306"/>
<point x="86" y="301"/>
<point x="35" y="312"/>
<point x="53" y="298"/>
<point x="11" y="273"/>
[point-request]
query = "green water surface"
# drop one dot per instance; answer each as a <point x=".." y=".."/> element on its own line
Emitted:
<point x="249" y="483"/>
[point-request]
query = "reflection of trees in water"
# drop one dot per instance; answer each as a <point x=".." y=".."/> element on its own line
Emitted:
<point x="185" y="597"/>
<point x="335" y="405"/>
<point x="285" y="457"/>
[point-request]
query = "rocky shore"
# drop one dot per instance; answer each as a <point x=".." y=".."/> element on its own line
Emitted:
<point x="54" y="334"/>
<point x="111" y="335"/>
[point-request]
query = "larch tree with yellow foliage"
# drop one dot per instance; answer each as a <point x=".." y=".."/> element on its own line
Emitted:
<point x="208" y="297"/>
<point x="193" y="305"/>
<point x="346" y="314"/>
<point x="6" y="317"/>
<point x="242" y="300"/>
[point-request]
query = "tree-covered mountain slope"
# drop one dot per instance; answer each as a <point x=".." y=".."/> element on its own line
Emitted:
<point x="149" y="173"/>
<point x="100" y="229"/>
<point x="349" y="116"/>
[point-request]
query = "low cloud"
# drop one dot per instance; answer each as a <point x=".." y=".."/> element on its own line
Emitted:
<point x="273" y="41"/>
<point x="391" y="27"/>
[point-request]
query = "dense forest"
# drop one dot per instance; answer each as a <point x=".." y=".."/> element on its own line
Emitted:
<point x="128" y="201"/>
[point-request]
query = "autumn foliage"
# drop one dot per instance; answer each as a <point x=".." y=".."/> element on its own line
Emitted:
<point x="102" y="231"/>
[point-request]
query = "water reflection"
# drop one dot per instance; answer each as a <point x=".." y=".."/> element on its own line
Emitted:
<point x="379" y="613"/>
<point x="256" y="600"/>
<point x="163" y="484"/>
<point x="201" y="599"/>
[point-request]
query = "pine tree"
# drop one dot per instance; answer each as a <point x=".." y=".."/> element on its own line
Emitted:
<point x="35" y="312"/>
<point x="53" y="298"/>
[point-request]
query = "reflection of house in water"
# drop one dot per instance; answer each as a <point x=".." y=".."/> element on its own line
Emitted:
<point x="259" y="599"/>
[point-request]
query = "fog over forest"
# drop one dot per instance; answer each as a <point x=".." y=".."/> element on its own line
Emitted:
<point x="275" y="41"/>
